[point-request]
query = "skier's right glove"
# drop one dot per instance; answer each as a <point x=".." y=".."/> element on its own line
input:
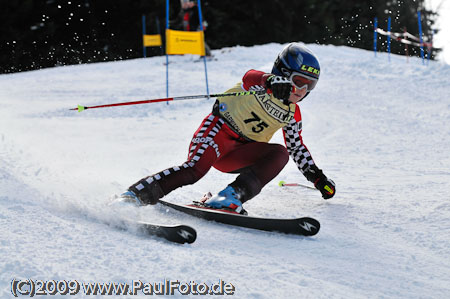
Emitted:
<point x="326" y="186"/>
<point x="281" y="87"/>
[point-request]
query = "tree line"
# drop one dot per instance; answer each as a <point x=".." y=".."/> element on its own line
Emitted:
<point x="45" y="33"/>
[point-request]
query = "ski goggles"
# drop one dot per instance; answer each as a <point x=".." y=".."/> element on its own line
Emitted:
<point x="299" y="80"/>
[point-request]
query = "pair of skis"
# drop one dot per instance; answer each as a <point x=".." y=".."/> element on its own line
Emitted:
<point x="304" y="226"/>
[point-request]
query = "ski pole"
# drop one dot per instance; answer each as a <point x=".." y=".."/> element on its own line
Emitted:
<point x="242" y="93"/>
<point x="284" y="184"/>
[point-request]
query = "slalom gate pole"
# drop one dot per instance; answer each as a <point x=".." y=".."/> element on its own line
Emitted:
<point x="419" y="19"/>
<point x="199" y="4"/>
<point x="375" y="27"/>
<point x="167" y="55"/>
<point x="233" y="94"/>
<point x="284" y="184"/>
<point x="144" y="48"/>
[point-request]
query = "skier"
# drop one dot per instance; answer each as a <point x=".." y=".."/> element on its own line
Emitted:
<point x="234" y="137"/>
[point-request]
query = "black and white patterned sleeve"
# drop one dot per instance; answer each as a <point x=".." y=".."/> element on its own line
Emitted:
<point x="295" y="147"/>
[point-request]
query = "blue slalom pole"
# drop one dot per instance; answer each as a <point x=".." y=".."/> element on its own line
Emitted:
<point x="204" y="57"/>
<point x="420" y="35"/>
<point x="143" y="33"/>
<point x="375" y="26"/>
<point x="389" y="39"/>
<point x="167" y="55"/>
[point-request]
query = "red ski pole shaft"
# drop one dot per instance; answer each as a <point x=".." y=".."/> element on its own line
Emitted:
<point x="243" y="93"/>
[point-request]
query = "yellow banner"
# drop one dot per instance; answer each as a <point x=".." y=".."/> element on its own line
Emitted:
<point x="152" y="40"/>
<point x="185" y="42"/>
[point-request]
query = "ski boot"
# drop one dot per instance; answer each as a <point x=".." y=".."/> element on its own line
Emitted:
<point x="227" y="199"/>
<point x="147" y="191"/>
<point x="130" y="197"/>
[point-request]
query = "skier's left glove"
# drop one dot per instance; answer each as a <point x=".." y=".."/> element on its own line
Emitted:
<point x="325" y="185"/>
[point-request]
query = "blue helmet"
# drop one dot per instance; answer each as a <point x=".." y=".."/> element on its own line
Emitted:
<point x="296" y="58"/>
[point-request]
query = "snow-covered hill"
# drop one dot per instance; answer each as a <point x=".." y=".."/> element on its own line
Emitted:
<point x="380" y="130"/>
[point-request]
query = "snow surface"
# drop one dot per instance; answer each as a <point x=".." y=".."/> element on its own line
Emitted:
<point x="380" y="130"/>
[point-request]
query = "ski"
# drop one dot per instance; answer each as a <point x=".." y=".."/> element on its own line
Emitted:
<point x="304" y="226"/>
<point x="175" y="233"/>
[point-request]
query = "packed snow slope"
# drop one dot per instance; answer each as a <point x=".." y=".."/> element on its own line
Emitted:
<point x="380" y="130"/>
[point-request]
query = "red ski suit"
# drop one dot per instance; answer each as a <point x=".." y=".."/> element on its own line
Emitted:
<point x="234" y="139"/>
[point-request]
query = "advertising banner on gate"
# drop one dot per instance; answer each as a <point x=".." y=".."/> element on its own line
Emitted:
<point x="153" y="40"/>
<point x="185" y="42"/>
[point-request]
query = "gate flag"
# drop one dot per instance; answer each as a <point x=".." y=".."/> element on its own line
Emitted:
<point x="153" y="40"/>
<point x="185" y="42"/>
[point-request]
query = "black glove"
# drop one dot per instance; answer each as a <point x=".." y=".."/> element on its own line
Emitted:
<point x="281" y="87"/>
<point x="326" y="186"/>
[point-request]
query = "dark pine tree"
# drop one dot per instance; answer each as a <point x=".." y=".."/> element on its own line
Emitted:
<point x="44" y="33"/>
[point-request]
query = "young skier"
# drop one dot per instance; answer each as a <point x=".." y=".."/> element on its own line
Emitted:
<point x="234" y="137"/>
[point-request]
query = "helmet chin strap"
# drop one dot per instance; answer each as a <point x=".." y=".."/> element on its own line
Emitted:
<point x="305" y="96"/>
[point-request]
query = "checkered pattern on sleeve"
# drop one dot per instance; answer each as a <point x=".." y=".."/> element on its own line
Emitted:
<point x="295" y="147"/>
